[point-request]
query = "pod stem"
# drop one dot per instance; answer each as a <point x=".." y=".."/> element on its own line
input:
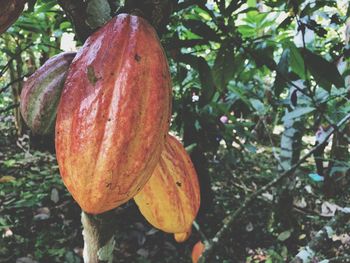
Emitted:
<point x="98" y="233"/>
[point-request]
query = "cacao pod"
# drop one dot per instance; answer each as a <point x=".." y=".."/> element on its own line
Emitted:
<point x="170" y="199"/>
<point x="197" y="251"/>
<point x="41" y="94"/>
<point x="114" y="114"/>
<point x="10" y="11"/>
<point x="182" y="237"/>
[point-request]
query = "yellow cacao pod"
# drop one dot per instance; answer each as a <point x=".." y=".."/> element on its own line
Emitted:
<point x="170" y="199"/>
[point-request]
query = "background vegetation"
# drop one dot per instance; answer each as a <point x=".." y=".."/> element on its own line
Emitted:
<point x="256" y="86"/>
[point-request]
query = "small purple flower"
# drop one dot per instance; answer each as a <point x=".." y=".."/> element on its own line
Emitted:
<point x="224" y="119"/>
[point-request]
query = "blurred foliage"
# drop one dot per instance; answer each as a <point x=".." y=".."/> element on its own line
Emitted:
<point x="240" y="69"/>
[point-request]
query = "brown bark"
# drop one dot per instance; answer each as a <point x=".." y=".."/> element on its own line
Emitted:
<point x="98" y="237"/>
<point x="157" y="12"/>
<point x="76" y="12"/>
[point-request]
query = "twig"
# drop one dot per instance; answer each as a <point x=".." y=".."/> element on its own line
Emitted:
<point x="231" y="219"/>
<point x="12" y="106"/>
<point x="76" y="11"/>
<point x="305" y="211"/>
<point x="342" y="259"/>
<point x="197" y="227"/>
<point x="14" y="57"/>
<point x="178" y="43"/>
<point x="272" y="145"/>
<point x="13" y="82"/>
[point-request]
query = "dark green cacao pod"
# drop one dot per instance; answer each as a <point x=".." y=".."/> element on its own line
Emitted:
<point x="41" y="94"/>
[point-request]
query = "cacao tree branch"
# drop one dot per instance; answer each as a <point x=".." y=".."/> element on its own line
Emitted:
<point x="321" y="239"/>
<point x="156" y="12"/>
<point x="87" y="16"/>
<point x="185" y="43"/>
<point x="231" y="219"/>
<point x="76" y="12"/>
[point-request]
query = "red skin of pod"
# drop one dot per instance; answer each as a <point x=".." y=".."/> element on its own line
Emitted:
<point x="41" y="94"/>
<point x="114" y="114"/>
<point x="9" y="12"/>
<point x="197" y="251"/>
<point x="170" y="199"/>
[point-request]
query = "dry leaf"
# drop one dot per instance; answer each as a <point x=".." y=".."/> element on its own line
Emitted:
<point x="7" y="179"/>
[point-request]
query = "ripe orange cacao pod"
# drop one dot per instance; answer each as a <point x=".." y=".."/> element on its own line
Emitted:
<point x="9" y="12"/>
<point x="170" y="199"/>
<point x="182" y="237"/>
<point x="41" y="94"/>
<point x="114" y="114"/>
<point x="197" y="251"/>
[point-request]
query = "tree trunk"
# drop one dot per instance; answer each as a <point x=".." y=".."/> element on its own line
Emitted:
<point x="98" y="236"/>
<point x="15" y="67"/>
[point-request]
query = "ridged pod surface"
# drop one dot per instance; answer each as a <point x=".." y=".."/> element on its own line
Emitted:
<point x="170" y="200"/>
<point x="114" y="114"/>
<point x="182" y="237"/>
<point x="9" y="12"/>
<point x="42" y="91"/>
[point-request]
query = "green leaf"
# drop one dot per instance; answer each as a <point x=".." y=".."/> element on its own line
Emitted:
<point x="190" y="148"/>
<point x="65" y="25"/>
<point x="317" y="5"/>
<point x="284" y="235"/>
<point x="286" y="22"/>
<point x="250" y="148"/>
<point x="251" y="3"/>
<point x="223" y="68"/>
<point x="324" y="72"/>
<point x="46" y="6"/>
<point x="31" y="4"/>
<point x="263" y="56"/>
<point x="201" y="29"/>
<point x="247" y="31"/>
<point x="296" y="61"/>
<point x="258" y="106"/>
<point x="297" y="113"/>
<point x="205" y="75"/>
<point x="282" y="69"/>
<point x="98" y="13"/>
<point x="28" y="25"/>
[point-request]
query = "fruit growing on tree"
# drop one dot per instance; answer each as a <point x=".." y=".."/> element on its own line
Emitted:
<point x="41" y="94"/>
<point x="114" y="114"/>
<point x="197" y="251"/>
<point x="182" y="237"/>
<point x="9" y="12"/>
<point x="170" y="199"/>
